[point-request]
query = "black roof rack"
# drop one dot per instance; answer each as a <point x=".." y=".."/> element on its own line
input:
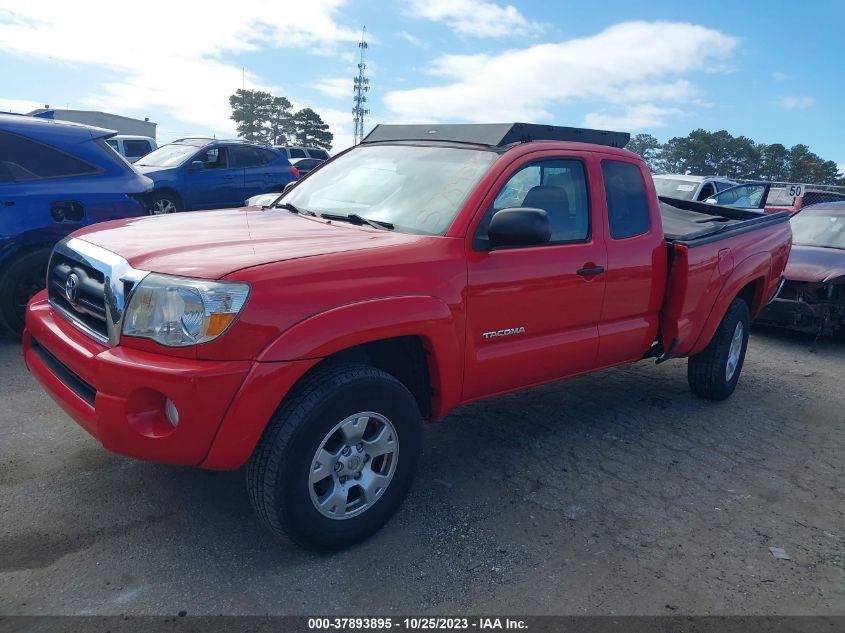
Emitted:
<point x="494" y="134"/>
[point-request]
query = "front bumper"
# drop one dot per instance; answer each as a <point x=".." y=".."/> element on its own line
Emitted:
<point x="815" y="318"/>
<point x="118" y="394"/>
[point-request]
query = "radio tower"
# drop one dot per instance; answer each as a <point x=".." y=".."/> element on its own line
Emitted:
<point x="361" y="87"/>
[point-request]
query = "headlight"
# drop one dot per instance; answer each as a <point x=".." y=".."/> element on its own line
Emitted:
<point x="177" y="311"/>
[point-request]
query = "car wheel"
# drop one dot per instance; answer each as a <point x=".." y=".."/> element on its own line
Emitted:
<point x="714" y="372"/>
<point x="24" y="277"/>
<point x="163" y="203"/>
<point x="338" y="457"/>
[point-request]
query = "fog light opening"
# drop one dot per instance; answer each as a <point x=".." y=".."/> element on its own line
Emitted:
<point x="172" y="412"/>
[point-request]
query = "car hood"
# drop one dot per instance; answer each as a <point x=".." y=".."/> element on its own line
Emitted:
<point x="212" y="244"/>
<point x="815" y="264"/>
<point x="152" y="171"/>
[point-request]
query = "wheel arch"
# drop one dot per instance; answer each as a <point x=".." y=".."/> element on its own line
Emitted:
<point x="747" y="281"/>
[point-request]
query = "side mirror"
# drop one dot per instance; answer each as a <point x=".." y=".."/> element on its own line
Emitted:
<point x="710" y="201"/>
<point x="197" y="165"/>
<point x="289" y="185"/>
<point x="520" y="226"/>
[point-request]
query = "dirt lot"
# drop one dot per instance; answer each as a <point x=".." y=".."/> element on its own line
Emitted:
<point x="616" y="493"/>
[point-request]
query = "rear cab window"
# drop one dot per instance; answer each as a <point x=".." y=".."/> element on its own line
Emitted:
<point x="24" y="159"/>
<point x="295" y="152"/>
<point x="627" y="202"/>
<point x="318" y="153"/>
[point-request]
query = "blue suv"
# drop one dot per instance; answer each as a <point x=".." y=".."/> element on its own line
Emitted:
<point x="202" y="173"/>
<point x="55" y="177"/>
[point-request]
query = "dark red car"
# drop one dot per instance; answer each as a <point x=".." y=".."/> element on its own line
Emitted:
<point x="812" y="298"/>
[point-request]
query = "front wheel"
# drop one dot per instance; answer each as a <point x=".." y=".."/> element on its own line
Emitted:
<point x="338" y="457"/>
<point x="713" y="373"/>
<point x="164" y="203"/>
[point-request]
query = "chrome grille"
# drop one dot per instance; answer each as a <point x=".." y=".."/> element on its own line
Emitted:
<point x="102" y="285"/>
<point x="89" y="307"/>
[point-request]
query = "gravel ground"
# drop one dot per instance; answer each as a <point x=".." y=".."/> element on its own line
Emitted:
<point x="615" y="493"/>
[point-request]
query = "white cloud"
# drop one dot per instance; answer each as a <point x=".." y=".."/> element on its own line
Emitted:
<point x="174" y="65"/>
<point x="633" y="63"/>
<point x="777" y="75"/>
<point x="337" y="87"/>
<point x="841" y="168"/>
<point x="477" y="18"/>
<point x="796" y="102"/>
<point x="21" y="106"/>
<point x="634" y="118"/>
<point x="413" y="39"/>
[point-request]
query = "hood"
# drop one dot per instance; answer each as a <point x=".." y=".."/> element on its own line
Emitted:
<point x="212" y="244"/>
<point x="815" y="264"/>
<point x="152" y="171"/>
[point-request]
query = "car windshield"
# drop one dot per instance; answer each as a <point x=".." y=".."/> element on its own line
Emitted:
<point x="168" y="156"/>
<point x="416" y="189"/>
<point x="674" y="187"/>
<point x="819" y="227"/>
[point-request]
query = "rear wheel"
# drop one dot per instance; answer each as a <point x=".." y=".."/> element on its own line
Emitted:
<point x="163" y="203"/>
<point x="714" y="372"/>
<point x="20" y="281"/>
<point x="337" y="458"/>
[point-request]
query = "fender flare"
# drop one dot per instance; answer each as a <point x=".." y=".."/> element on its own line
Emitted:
<point x="350" y="325"/>
<point x="755" y="267"/>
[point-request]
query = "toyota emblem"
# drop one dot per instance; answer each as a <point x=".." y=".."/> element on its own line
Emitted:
<point x="72" y="288"/>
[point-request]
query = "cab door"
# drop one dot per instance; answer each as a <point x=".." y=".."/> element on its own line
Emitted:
<point x="636" y="261"/>
<point x="533" y="311"/>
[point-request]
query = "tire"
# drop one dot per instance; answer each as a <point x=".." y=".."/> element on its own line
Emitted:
<point x="286" y="481"/>
<point x="714" y="372"/>
<point x="162" y="203"/>
<point x="19" y="282"/>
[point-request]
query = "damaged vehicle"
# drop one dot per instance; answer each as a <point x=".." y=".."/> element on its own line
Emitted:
<point x="812" y="296"/>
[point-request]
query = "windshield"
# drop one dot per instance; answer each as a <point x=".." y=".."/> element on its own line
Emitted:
<point x="417" y="189"/>
<point x="168" y="156"/>
<point x="741" y="197"/>
<point x="819" y="228"/>
<point x="674" y="187"/>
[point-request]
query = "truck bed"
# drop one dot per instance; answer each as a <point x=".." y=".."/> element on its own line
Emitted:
<point x="710" y="247"/>
<point x="693" y="223"/>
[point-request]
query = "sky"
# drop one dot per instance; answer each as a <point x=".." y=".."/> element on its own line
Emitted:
<point x="772" y="72"/>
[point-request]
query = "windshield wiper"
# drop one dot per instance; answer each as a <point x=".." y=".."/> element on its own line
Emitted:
<point x="294" y="209"/>
<point x="354" y="218"/>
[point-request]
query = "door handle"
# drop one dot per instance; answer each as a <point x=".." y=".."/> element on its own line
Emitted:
<point x="590" y="272"/>
<point x="8" y="203"/>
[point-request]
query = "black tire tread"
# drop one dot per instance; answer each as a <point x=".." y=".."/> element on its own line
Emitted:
<point x="268" y="456"/>
<point x="18" y="261"/>
<point x="705" y="370"/>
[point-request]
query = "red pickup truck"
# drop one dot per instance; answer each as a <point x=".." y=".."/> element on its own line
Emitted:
<point x="428" y="267"/>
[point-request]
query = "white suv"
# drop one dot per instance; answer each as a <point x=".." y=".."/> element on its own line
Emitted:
<point x="690" y="187"/>
<point x="303" y="152"/>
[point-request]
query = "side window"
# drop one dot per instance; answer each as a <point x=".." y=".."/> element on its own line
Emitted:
<point x="706" y="191"/>
<point x="24" y="159"/>
<point x="135" y="148"/>
<point x="559" y="187"/>
<point x="267" y="156"/>
<point x="244" y="157"/>
<point x="214" y="158"/>
<point x="318" y="153"/>
<point x="295" y="152"/>
<point x="721" y="185"/>
<point x="113" y="144"/>
<point x="627" y="202"/>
